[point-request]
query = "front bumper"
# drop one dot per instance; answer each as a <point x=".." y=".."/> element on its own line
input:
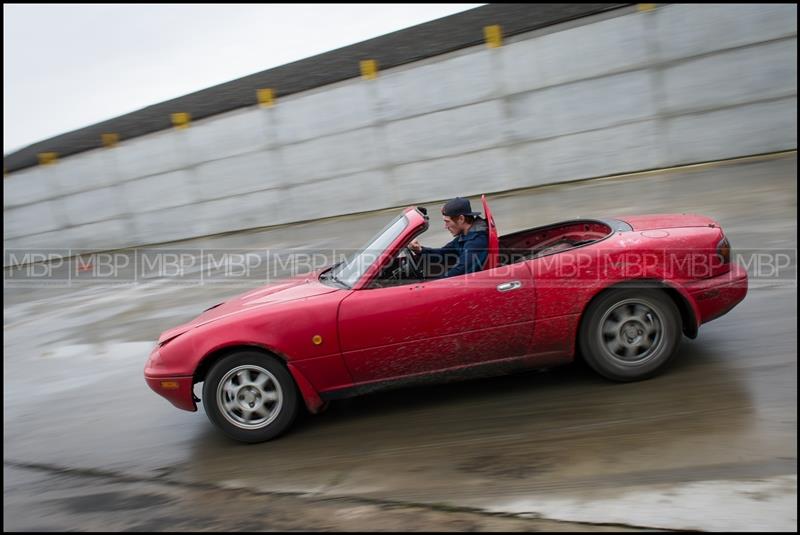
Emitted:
<point x="178" y="390"/>
<point x="716" y="296"/>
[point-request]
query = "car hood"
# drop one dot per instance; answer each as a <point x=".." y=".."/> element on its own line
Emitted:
<point x="292" y="290"/>
<point x="659" y="221"/>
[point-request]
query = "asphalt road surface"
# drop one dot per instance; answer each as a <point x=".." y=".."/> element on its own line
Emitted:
<point x="710" y="444"/>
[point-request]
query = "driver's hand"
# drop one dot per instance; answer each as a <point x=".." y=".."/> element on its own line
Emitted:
<point x="415" y="247"/>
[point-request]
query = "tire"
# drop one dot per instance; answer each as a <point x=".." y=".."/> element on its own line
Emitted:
<point x="630" y="334"/>
<point x="250" y="396"/>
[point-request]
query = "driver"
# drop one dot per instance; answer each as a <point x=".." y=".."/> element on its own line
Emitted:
<point x="469" y="248"/>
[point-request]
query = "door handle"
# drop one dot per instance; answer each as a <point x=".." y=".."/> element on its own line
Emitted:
<point x="508" y="286"/>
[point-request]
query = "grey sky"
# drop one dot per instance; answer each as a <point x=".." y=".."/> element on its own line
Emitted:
<point x="69" y="66"/>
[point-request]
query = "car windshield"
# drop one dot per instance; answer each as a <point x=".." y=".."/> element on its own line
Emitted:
<point x="350" y="271"/>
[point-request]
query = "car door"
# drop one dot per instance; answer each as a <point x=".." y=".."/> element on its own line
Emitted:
<point x="417" y="328"/>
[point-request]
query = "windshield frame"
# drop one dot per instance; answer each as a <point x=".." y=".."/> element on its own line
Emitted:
<point x="349" y="272"/>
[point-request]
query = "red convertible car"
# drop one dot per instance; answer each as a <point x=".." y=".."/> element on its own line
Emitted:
<point x="619" y="292"/>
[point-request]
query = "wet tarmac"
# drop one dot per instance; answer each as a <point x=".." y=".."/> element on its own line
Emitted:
<point x="710" y="444"/>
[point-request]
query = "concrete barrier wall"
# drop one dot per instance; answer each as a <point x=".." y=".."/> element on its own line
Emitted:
<point x="640" y="90"/>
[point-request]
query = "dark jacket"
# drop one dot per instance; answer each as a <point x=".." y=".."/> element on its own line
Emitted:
<point x="467" y="250"/>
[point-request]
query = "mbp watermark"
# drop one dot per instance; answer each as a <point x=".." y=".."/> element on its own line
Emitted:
<point x="251" y="268"/>
<point x="37" y="267"/>
<point x="103" y="267"/>
<point x="769" y="266"/>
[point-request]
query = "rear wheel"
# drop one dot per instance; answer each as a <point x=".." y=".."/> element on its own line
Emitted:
<point x="630" y="334"/>
<point x="250" y="396"/>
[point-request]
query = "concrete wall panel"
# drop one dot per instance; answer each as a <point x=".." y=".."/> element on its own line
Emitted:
<point x="432" y="87"/>
<point x="445" y="133"/>
<point x="752" y="129"/>
<point x="685" y="30"/>
<point x="575" y="54"/>
<point x="734" y="77"/>
<point x="322" y="113"/>
<point x="585" y="105"/>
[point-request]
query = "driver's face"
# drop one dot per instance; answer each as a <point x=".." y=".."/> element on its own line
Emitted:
<point x="453" y="227"/>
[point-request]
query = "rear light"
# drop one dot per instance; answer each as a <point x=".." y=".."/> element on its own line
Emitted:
<point x="724" y="250"/>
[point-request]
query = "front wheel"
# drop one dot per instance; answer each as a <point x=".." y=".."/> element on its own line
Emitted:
<point x="250" y="396"/>
<point x="630" y="334"/>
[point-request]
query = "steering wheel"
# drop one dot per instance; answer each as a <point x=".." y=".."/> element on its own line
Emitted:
<point x="407" y="268"/>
